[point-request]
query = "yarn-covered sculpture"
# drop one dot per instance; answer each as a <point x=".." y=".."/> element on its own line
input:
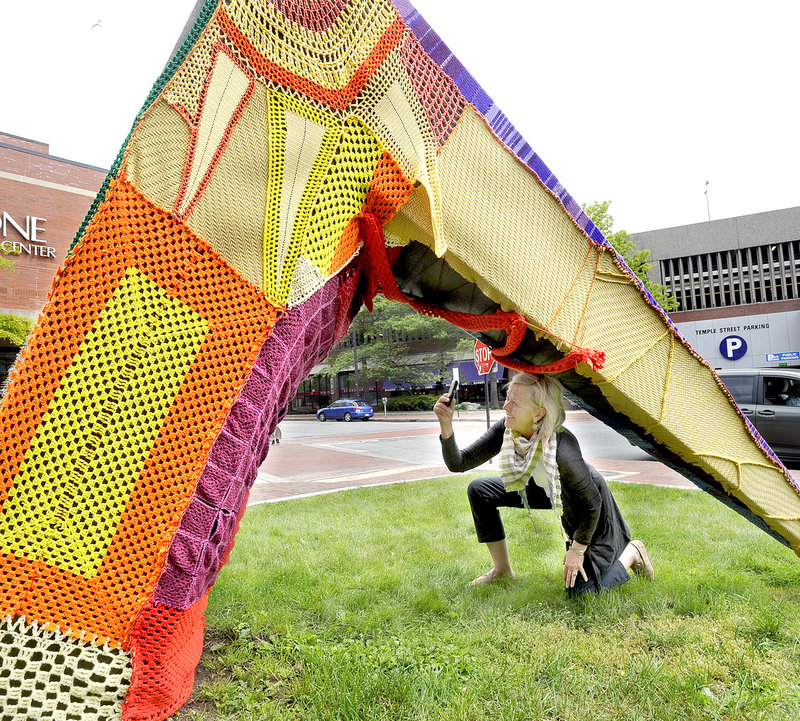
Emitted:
<point x="295" y="158"/>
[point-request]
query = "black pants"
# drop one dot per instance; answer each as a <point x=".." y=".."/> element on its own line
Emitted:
<point x="488" y="494"/>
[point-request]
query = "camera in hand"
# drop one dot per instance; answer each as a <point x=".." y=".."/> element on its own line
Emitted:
<point x="452" y="392"/>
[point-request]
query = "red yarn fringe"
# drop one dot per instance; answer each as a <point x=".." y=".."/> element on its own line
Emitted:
<point x="379" y="277"/>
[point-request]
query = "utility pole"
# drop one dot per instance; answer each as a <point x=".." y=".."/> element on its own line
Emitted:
<point x="355" y="353"/>
<point x="495" y="401"/>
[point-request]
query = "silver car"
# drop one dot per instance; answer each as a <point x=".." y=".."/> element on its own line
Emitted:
<point x="770" y="398"/>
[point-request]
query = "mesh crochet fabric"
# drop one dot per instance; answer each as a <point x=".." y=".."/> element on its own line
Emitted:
<point x="166" y="648"/>
<point x="47" y="675"/>
<point x="127" y="451"/>
<point x="300" y="338"/>
<point x="285" y="158"/>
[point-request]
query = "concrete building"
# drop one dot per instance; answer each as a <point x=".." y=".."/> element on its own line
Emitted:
<point x="738" y="284"/>
<point x="43" y="200"/>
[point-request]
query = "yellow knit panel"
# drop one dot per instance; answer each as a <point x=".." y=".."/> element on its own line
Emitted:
<point x="240" y="180"/>
<point x="343" y="192"/>
<point x="84" y="461"/>
<point x="495" y="210"/>
<point x="389" y="105"/>
<point x="156" y="154"/>
<point x="186" y="85"/>
<point x="302" y="140"/>
<point x="723" y="448"/>
<point x="328" y="58"/>
<point x="227" y="88"/>
<point x="412" y="222"/>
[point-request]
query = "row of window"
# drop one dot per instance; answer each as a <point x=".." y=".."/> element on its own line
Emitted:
<point x="392" y="336"/>
<point x="759" y="274"/>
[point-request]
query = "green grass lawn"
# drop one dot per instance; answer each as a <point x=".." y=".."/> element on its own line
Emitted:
<point x="355" y="605"/>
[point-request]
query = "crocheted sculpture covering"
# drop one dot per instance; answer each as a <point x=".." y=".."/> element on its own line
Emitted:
<point x="295" y="158"/>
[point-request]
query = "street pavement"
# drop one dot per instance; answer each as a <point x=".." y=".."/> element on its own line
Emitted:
<point x="314" y="458"/>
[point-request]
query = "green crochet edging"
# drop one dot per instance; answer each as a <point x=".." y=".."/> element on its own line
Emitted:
<point x="203" y="18"/>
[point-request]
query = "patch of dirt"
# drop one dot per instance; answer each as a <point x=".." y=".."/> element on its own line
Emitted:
<point x="196" y="706"/>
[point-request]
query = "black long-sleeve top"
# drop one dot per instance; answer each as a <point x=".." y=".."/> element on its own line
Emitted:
<point x="590" y="513"/>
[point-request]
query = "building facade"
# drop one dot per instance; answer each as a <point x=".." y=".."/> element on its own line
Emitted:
<point x="738" y="284"/>
<point x="43" y="200"/>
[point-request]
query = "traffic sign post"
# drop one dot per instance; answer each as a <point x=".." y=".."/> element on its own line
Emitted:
<point x="484" y="361"/>
<point x="482" y="357"/>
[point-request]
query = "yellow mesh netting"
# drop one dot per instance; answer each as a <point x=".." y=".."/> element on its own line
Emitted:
<point x="342" y="193"/>
<point x="302" y="141"/>
<point x="327" y="58"/>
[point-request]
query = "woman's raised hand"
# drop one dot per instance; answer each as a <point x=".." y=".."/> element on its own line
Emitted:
<point x="443" y="411"/>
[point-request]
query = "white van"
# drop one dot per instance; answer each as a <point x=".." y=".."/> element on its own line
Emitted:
<point x="770" y="398"/>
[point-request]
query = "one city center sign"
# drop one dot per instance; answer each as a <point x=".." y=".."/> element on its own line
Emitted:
<point x="22" y="236"/>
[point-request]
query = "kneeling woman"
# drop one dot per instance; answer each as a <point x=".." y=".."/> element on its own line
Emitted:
<point x="542" y="467"/>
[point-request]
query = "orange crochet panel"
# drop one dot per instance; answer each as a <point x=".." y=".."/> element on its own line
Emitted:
<point x="335" y="98"/>
<point x="170" y="642"/>
<point x="128" y="402"/>
<point x="388" y="192"/>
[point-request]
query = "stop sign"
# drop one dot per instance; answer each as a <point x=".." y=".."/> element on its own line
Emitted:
<point x="483" y="358"/>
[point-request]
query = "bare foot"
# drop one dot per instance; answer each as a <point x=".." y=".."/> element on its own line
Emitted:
<point x="491" y="577"/>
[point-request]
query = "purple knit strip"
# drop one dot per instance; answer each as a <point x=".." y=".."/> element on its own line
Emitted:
<point x="300" y="339"/>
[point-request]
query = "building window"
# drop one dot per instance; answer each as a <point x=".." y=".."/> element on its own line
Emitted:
<point x="759" y="274"/>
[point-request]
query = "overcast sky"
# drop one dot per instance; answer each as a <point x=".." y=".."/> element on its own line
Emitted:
<point x="635" y="102"/>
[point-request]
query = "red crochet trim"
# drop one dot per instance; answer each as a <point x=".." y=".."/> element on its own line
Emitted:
<point x="379" y="277"/>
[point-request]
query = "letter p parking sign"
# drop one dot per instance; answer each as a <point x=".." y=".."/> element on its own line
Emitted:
<point x="733" y="347"/>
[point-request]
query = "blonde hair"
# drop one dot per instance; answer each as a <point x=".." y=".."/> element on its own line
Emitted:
<point x="546" y="394"/>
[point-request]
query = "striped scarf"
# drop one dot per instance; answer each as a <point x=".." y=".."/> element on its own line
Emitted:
<point x="521" y="458"/>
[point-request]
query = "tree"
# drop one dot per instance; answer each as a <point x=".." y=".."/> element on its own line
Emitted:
<point x="15" y="328"/>
<point x="388" y="341"/>
<point x="637" y="260"/>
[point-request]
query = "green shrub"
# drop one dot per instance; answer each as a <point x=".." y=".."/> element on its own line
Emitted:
<point x="412" y="403"/>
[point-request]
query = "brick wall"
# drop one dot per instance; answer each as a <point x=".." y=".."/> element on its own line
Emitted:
<point x="24" y="143"/>
<point x="40" y="166"/>
<point x="33" y="184"/>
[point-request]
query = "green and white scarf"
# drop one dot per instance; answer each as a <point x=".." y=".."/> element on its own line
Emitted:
<point x="521" y="458"/>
